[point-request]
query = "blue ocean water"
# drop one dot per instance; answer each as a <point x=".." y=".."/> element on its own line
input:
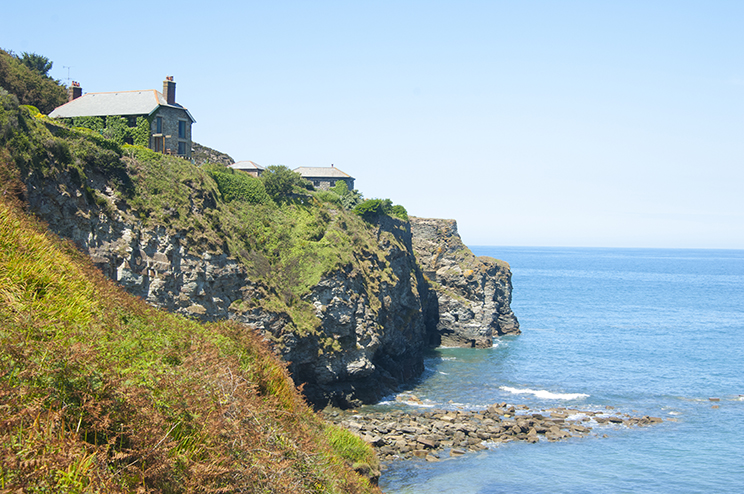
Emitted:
<point x="648" y="331"/>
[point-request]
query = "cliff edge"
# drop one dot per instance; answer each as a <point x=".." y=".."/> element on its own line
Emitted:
<point x="473" y="293"/>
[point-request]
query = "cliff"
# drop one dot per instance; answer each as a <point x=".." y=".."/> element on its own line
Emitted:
<point x="367" y="321"/>
<point x="473" y="293"/>
<point x="341" y="299"/>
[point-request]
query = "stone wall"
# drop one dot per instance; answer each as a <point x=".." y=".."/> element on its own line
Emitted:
<point x="171" y="117"/>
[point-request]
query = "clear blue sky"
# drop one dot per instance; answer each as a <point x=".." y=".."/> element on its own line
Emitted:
<point x="576" y="123"/>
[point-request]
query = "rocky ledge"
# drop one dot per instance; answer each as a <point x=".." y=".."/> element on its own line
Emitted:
<point x="404" y="435"/>
<point x="473" y="293"/>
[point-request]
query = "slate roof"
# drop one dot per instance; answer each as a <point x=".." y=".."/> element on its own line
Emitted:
<point x="143" y="102"/>
<point x="321" y="172"/>
<point x="247" y="165"/>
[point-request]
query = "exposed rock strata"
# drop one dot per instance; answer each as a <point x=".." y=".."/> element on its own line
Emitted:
<point x="474" y="293"/>
<point x="429" y="435"/>
<point x="378" y="334"/>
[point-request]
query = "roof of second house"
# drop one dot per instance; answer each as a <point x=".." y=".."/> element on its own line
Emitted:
<point x="321" y="172"/>
<point x="142" y="102"/>
<point x="247" y="165"/>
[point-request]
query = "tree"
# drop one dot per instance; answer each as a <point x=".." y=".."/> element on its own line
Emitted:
<point x="30" y="86"/>
<point x="36" y="62"/>
<point x="280" y="182"/>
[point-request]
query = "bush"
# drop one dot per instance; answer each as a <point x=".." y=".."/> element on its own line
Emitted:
<point x="399" y="212"/>
<point x="241" y="187"/>
<point x="281" y="182"/>
<point x="348" y="198"/>
<point x="371" y="209"/>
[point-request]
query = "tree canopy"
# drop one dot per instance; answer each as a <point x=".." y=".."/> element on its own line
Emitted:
<point x="36" y="62"/>
<point x="280" y="182"/>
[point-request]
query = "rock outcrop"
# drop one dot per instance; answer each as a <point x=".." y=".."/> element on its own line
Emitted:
<point x="474" y="293"/>
<point x="375" y="314"/>
<point x="403" y="434"/>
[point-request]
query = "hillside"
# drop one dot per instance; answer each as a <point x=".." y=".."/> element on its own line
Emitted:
<point x="100" y="392"/>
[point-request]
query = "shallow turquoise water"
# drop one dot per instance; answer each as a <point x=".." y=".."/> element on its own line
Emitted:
<point x="648" y="331"/>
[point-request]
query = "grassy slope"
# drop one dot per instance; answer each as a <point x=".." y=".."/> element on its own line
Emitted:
<point x="99" y="392"/>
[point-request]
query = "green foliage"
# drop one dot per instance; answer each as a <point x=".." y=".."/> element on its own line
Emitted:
<point x="371" y="209"/>
<point x="96" y="124"/>
<point x="328" y="196"/>
<point x="348" y="198"/>
<point x="37" y="63"/>
<point x="29" y="85"/>
<point x="239" y="186"/>
<point x="281" y="183"/>
<point x="140" y="134"/>
<point x="349" y="446"/>
<point x="116" y="129"/>
<point x="399" y="212"/>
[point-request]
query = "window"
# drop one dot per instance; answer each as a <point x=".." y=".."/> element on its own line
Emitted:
<point x="159" y="125"/>
<point x="182" y="148"/>
<point x="181" y="129"/>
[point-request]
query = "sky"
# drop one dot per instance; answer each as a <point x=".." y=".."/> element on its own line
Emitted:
<point x="532" y="123"/>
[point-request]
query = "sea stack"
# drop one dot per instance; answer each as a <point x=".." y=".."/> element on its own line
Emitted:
<point x="473" y="293"/>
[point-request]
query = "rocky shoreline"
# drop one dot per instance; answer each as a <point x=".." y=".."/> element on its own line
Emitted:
<point x="432" y="434"/>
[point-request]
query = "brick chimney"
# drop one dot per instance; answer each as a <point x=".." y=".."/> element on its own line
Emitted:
<point x="74" y="91"/>
<point x="169" y="90"/>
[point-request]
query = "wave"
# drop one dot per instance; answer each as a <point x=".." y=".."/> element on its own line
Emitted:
<point x="547" y="395"/>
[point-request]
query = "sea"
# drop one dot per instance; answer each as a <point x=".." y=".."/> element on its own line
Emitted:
<point x="656" y="332"/>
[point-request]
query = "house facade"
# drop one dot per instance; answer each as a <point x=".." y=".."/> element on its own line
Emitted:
<point x="325" y="177"/>
<point x="170" y="123"/>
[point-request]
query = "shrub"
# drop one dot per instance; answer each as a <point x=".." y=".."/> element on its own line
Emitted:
<point x="241" y="187"/>
<point x="399" y="212"/>
<point x="281" y="182"/>
<point x="348" y="198"/>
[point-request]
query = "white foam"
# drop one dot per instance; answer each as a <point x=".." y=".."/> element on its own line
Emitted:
<point x="444" y="373"/>
<point x="547" y="395"/>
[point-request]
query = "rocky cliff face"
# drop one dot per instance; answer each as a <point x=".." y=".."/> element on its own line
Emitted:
<point x="474" y="293"/>
<point x="374" y="314"/>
